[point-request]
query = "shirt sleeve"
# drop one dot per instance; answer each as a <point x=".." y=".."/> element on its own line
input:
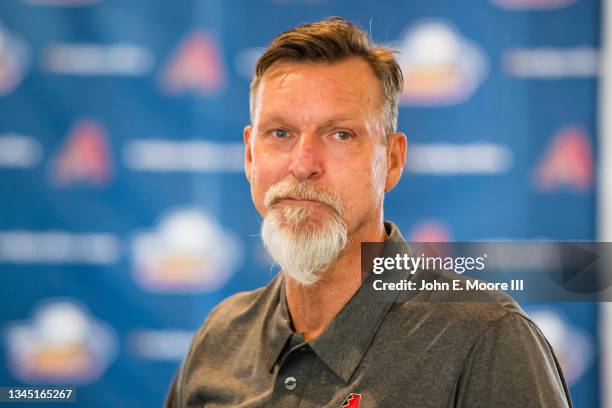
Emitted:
<point x="511" y="365"/>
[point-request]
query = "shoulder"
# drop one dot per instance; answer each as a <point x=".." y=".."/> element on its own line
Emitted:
<point x="224" y="330"/>
<point x="241" y="312"/>
<point x="479" y="306"/>
<point x="487" y="325"/>
<point x="236" y="307"/>
<point x="457" y="316"/>
<point x="235" y="318"/>
<point x="512" y="357"/>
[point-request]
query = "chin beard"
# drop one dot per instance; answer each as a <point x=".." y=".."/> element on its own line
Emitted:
<point x="304" y="240"/>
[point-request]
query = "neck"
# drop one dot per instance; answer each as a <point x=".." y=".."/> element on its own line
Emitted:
<point x="313" y="307"/>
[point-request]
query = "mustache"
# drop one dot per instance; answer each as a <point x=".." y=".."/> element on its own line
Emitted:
<point x="305" y="190"/>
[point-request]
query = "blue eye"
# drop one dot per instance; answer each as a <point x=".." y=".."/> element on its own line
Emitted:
<point x="342" y="135"/>
<point x="280" y="133"/>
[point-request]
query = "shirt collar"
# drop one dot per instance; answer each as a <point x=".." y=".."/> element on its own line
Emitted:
<point x="344" y="342"/>
<point x="276" y="324"/>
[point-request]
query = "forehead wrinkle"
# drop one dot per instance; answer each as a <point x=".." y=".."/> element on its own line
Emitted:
<point x="319" y="104"/>
<point x="287" y="83"/>
<point x="314" y="121"/>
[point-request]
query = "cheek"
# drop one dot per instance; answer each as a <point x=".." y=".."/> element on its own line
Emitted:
<point x="364" y="185"/>
<point x="265" y="172"/>
<point x="379" y="171"/>
<point x="373" y="174"/>
<point x="260" y="183"/>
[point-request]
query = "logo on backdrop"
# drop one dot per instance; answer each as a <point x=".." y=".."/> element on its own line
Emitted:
<point x="566" y="163"/>
<point x="430" y="230"/>
<point x="440" y="66"/>
<point x="187" y="252"/>
<point x="85" y="156"/>
<point x="532" y="4"/>
<point x="19" y="151"/>
<point x="61" y="343"/>
<point x="14" y="60"/>
<point x="196" y="66"/>
<point x="573" y="346"/>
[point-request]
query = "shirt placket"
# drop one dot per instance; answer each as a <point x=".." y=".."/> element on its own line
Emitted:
<point x="293" y="372"/>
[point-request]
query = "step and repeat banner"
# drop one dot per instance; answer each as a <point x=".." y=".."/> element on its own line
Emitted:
<point x="125" y="215"/>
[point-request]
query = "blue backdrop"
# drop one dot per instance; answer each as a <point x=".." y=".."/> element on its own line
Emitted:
<point x="124" y="212"/>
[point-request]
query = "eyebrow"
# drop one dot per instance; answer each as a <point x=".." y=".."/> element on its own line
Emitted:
<point x="328" y="124"/>
<point x="333" y="122"/>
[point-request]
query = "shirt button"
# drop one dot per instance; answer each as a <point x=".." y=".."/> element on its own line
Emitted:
<point x="290" y="383"/>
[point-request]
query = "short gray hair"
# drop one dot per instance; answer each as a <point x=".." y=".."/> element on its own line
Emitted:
<point x="334" y="40"/>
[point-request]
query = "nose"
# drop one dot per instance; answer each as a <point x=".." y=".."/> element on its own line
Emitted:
<point x="306" y="161"/>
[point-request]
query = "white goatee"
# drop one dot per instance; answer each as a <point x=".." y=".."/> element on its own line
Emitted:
<point x="303" y="240"/>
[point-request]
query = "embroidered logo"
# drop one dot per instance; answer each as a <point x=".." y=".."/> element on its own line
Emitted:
<point x="352" y="401"/>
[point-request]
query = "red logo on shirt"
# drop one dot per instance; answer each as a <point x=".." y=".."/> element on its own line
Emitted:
<point x="352" y="401"/>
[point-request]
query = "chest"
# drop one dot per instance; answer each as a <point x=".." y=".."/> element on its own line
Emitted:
<point x="421" y="375"/>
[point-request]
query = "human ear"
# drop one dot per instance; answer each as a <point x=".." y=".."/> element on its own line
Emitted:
<point x="248" y="156"/>
<point x="396" y="158"/>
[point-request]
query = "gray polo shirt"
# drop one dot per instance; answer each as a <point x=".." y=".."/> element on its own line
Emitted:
<point x="420" y="352"/>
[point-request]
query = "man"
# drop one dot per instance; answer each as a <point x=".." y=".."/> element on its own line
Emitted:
<point x="321" y="151"/>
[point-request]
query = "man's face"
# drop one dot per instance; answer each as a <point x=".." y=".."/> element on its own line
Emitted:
<point x="321" y="125"/>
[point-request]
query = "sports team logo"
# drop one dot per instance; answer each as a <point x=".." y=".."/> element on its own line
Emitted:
<point x="85" y="156"/>
<point x="352" y="401"/>
<point x="532" y="4"/>
<point x="566" y="163"/>
<point x="187" y="252"/>
<point x="61" y="344"/>
<point x="440" y="66"/>
<point x="196" y="66"/>
<point x="14" y="60"/>
<point x="430" y="230"/>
